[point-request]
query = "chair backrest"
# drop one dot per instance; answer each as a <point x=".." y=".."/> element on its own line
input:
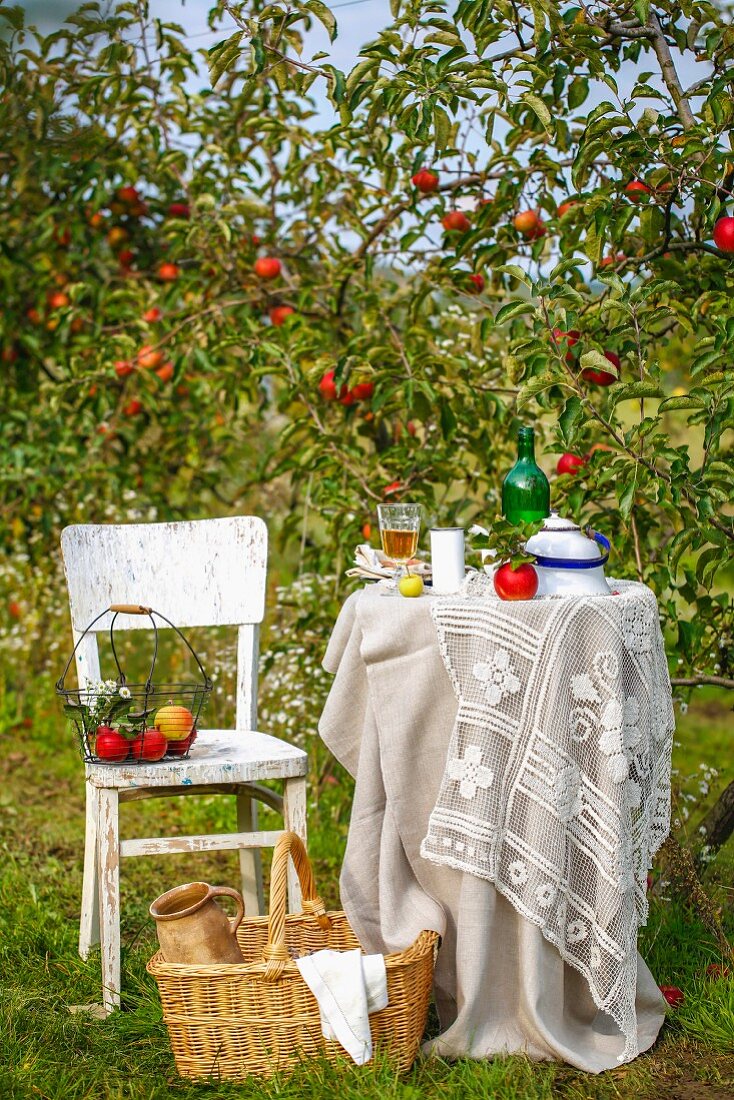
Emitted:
<point x="201" y="573"/>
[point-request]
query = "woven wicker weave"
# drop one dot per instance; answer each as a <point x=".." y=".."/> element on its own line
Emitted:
<point x="260" y="1017"/>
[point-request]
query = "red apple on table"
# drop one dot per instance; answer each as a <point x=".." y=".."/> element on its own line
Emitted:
<point x="637" y="191"/>
<point x="280" y="314"/>
<point x="455" y="221"/>
<point x="516" y="584"/>
<point x="602" y="377"/>
<point x="267" y="267"/>
<point x="110" y="745"/>
<point x="724" y="234"/>
<point x="425" y="181"/>
<point x="570" y="464"/>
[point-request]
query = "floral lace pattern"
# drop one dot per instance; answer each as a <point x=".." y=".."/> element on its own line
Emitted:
<point x="557" y="781"/>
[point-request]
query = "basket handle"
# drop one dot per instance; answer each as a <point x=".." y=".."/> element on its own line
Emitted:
<point x="130" y="609"/>
<point x="275" y="954"/>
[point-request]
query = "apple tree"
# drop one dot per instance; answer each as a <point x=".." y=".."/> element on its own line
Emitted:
<point x="218" y="296"/>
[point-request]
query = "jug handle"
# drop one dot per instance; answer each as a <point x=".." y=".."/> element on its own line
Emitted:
<point x="227" y="891"/>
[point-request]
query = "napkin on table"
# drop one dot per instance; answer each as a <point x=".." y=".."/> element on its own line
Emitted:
<point x="374" y="565"/>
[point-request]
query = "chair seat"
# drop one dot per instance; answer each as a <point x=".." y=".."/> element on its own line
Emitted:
<point x="217" y="756"/>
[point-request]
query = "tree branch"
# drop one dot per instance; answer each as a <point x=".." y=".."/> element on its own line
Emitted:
<point x="697" y="681"/>
<point x="669" y="72"/>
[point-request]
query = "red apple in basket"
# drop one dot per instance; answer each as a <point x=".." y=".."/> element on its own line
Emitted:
<point x="180" y="748"/>
<point x="148" y="745"/>
<point x="174" y="722"/>
<point x="516" y="584"/>
<point x="110" y="745"/>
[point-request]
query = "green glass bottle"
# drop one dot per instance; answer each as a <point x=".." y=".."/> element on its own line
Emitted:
<point x="525" y="490"/>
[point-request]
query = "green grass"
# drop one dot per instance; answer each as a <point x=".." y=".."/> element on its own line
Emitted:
<point x="49" y="1053"/>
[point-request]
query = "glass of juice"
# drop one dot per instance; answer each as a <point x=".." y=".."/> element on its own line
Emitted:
<point x="400" y="526"/>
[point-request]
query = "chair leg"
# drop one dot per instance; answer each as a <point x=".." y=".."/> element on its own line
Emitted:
<point x="251" y="872"/>
<point x="294" y="819"/>
<point x="108" y="848"/>
<point x="89" y="920"/>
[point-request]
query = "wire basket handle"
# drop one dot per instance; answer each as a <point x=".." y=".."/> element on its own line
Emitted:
<point x="275" y="953"/>
<point x="132" y="609"/>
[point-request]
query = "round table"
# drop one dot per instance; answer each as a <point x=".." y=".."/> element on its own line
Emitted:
<point x="500" y="985"/>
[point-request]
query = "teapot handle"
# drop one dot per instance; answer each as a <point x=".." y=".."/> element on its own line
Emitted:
<point x="227" y="891"/>
<point x="603" y="541"/>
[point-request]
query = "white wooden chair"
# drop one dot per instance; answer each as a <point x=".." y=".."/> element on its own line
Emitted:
<point x="203" y="573"/>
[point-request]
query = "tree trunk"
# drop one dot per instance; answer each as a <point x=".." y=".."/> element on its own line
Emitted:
<point x="718" y="824"/>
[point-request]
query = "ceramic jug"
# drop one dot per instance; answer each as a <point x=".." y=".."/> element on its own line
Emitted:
<point x="193" y="929"/>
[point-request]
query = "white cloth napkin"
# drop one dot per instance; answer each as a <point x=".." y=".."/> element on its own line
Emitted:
<point x="348" y="986"/>
<point x="371" y="563"/>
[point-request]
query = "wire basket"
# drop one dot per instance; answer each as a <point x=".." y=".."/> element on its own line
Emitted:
<point x="118" y="722"/>
<point x="259" y="1017"/>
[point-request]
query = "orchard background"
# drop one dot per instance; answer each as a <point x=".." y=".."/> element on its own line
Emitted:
<point x="237" y="279"/>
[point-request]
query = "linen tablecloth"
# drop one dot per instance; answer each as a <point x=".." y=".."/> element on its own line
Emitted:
<point x="500" y="986"/>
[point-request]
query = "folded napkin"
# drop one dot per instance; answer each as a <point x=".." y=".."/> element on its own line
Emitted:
<point x="348" y="986"/>
<point x="374" y="565"/>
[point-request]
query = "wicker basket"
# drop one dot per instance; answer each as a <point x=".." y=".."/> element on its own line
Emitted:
<point x="260" y="1017"/>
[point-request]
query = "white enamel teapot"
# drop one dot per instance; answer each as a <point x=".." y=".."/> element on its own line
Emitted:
<point x="569" y="561"/>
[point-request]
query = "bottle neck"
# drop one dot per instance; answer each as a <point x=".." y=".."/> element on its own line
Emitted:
<point x="526" y="446"/>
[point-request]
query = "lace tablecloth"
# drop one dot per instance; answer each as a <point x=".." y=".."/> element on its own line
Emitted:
<point x="500" y="986"/>
<point x="557" y="779"/>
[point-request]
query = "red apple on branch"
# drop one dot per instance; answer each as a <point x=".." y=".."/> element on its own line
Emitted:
<point x="637" y="191"/>
<point x="363" y="391"/>
<point x="179" y="210"/>
<point x="565" y="207"/>
<point x="724" y="234"/>
<point x="280" y="314"/>
<point x="425" y="181"/>
<point x="128" y="195"/>
<point x="478" y="281"/>
<point x="529" y="224"/>
<point x="168" y="272"/>
<point x="123" y="367"/>
<point x="327" y="386"/>
<point x="570" y="463"/>
<point x="603" y="377"/>
<point x="267" y="267"/>
<point x="516" y="584"/>
<point x="455" y="221"/>
<point x="152" y="314"/>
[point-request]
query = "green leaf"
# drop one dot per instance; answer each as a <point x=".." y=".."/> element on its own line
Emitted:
<point x="594" y="360"/>
<point x="535" y="386"/>
<point x="511" y="310"/>
<point x="670" y="404"/>
<point x="642" y="10"/>
<point x="572" y="415"/>
<point x="324" y="15"/>
<point x="539" y="107"/>
<point x="632" y="391"/>
<point x="223" y="56"/>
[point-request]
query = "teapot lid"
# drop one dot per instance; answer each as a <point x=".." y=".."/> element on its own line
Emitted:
<point x="562" y="538"/>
